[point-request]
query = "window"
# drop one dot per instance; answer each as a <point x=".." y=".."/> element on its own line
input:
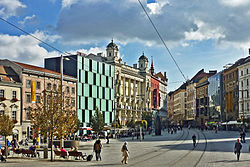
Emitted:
<point x="28" y="83"/>
<point x="94" y="105"/>
<point x="242" y="73"/>
<point x="247" y="82"/>
<point x="94" y="78"/>
<point x="83" y="116"/>
<point x="110" y="71"/>
<point x="13" y="94"/>
<point x="97" y="67"/>
<point x="103" y="69"/>
<point x="80" y="75"/>
<point x="247" y="70"/>
<point x="13" y="116"/>
<point x="67" y="89"/>
<point x="90" y="115"/>
<point x="86" y="103"/>
<point x="90" y="65"/>
<point x="90" y="90"/>
<point x="242" y="84"/>
<point x="79" y="102"/>
<point x="38" y="85"/>
<point x="73" y="101"/>
<point x="2" y="108"/>
<point x="107" y="105"/>
<point x="1" y="93"/>
<point x="103" y="93"/>
<point x="97" y="92"/>
<point x="49" y="86"/>
<point x="73" y="90"/>
<point x="103" y="115"/>
<point x="54" y="87"/>
<point x="110" y="117"/>
<point x="86" y="76"/>
<point x="28" y="98"/>
<point x="38" y="98"/>
<point x="107" y="81"/>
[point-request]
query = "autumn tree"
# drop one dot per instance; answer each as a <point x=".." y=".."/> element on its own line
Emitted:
<point x="6" y="127"/>
<point x="97" y="122"/>
<point x="52" y="117"/>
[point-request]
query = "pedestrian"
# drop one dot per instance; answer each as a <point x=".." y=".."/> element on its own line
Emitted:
<point x="143" y="135"/>
<point x="125" y="153"/>
<point x="34" y="141"/>
<point x="107" y="139"/>
<point x="97" y="149"/>
<point x="237" y="148"/>
<point x="194" y="140"/>
<point x="243" y="137"/>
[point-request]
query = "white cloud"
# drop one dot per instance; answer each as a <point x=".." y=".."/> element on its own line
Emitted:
<point x="24" y="48"/>
<point x="156" y="8"/>
<point x="10" y="8"/>
<point x="30" y="20"/>
<point x="68" y="3"/>
<point x="235" y="3"/>
<point x="204" y="32"/>
<point x="88" y="21"/>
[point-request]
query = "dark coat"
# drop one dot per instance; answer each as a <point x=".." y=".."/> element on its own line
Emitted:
<point x="237" y="147"/>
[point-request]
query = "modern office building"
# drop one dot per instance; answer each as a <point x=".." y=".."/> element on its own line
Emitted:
<point x="215" y="95"/>
<point x="95" y="85"/>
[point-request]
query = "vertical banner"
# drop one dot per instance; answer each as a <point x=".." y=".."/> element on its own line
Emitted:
<point x="33" y="91"/>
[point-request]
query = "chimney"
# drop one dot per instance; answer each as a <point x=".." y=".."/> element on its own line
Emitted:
<point x="165" y="75"/>
<point x="135" y="65"/>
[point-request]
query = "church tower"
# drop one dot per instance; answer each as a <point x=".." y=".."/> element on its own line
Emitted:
<point x="112" y="52"/>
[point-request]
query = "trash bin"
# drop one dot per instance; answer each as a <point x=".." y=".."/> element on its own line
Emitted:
<point x="45" y="153"/>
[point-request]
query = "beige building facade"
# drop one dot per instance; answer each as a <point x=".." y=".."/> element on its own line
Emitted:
<point x="10" y="99"/>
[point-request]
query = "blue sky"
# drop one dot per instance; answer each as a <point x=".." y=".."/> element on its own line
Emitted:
<point x="200" y="35"/>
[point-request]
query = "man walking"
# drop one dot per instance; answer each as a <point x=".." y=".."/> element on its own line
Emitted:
<point x="237" y="148"/>
<point x="194" y="140"/>
<point x="125" y="153"/>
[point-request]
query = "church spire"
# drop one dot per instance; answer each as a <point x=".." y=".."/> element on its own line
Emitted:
<point x="152" y="70"/>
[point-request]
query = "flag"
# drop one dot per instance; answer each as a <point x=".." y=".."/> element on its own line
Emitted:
<point x="150" y="1"/>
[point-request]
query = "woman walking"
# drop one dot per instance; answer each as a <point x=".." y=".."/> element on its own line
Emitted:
<point x="125" y="153"/>
<point x="97" y="149"/>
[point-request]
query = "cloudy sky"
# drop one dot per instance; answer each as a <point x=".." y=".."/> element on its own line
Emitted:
<point x="199" y="33"/>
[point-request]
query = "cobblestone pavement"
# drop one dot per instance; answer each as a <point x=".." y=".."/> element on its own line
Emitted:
<point x="212" y="150"/>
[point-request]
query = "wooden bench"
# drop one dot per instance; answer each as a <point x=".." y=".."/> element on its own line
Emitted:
<point x="75" y="154"/>
<point x="60" y="154"/>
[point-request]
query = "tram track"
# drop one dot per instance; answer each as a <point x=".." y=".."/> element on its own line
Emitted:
<point x="175" y="145"/>
<point x="160" y="152"/>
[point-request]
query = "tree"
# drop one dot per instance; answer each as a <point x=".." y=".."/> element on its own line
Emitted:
<point x="131" y="123"/>
<point x="50" y="118"/>
<point x="6" y="127"/>
<point x="97" y="122"/>
<point x="148" y="117"/>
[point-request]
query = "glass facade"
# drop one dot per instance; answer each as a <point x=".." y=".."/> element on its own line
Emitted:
<point x="95" y="89"/>
<point x="215" y="97"/>
<point x="94" y="86"/>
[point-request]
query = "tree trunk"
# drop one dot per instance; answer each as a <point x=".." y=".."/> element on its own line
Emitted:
<point x="51" y="140"/>
<point x="6" y="148"/>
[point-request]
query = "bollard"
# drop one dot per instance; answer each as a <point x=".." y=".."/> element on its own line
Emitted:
<point x="45" y="153"/>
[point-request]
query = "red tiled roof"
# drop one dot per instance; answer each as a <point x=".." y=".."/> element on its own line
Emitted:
<point x="35" y="68"/>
